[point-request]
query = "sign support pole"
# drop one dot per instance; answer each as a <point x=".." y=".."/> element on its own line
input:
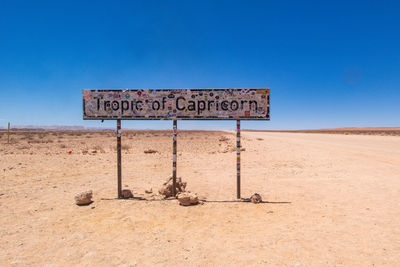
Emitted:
<point x="8" y="140"/>
<point x="238" y="159"/>
<point x="174" y="148"/>
<point x="119" y="157"/>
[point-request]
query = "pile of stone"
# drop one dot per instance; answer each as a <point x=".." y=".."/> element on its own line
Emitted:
<point x="185" y="198"/>
<point x="166" y="189"/>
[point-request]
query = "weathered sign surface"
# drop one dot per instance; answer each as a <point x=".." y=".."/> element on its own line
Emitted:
<point x="185" y="104"/>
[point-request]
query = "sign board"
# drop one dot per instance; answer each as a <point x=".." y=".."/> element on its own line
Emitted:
<point x="185" y="104"/>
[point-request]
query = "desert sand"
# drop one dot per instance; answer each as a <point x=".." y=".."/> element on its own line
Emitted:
<point x="329" y="200"/>
<point x="384" y="131"/>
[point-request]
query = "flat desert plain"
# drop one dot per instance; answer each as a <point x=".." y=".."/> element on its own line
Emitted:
<point x="329" y="200"/>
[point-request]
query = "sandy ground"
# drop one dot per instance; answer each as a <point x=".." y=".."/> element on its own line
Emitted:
<point x="331" y="200"/>
<point x="384" y="131"/>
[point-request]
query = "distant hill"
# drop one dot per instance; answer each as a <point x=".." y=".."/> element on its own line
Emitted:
<point x="38" y="127"/>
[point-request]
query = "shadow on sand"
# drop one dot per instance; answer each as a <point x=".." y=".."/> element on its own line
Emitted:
<point x="247" y="200"/>
<point x="243" y="200"/>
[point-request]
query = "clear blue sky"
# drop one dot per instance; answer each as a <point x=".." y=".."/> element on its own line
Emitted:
<point x="328" y="63"/>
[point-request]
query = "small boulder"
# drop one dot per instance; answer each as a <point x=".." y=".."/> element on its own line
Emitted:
<point x="84" y="198"/>
<point x="126" y="193"/>
<point x="256" y="198"/>
<point x="187" y="199"/>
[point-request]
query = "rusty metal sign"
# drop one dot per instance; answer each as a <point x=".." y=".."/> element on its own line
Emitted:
<point x="185" y="104"/>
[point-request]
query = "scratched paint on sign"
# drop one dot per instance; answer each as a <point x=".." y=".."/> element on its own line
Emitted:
<point x="187" y="104"/>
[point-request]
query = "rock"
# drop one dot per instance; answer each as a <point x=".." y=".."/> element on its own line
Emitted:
<point x="187" y="199"/>
<point x="256" y="198"/>
<point x="84" y="198"/>
<point x="166" y="189"/>
<point x="149" y="191"/>
<point x="126" y="193"/>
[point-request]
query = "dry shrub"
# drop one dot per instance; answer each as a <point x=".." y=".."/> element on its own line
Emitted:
<point x="27" y="136"/>
<point x="126" y="147"/>
<point x="223" y="139"/>
<point x="150" y="151"/>
<point x="63" y="146"/>
<point x="229" y="149"/>
<point x="260" y="139"/>
<point x="40" y="141"/>
<point x="99" y="148"/>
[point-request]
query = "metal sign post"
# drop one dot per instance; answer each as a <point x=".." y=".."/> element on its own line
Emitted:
<point x="238" y="159"/>
<point x="119" y="158"/>
<point x="174" y="158"/>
